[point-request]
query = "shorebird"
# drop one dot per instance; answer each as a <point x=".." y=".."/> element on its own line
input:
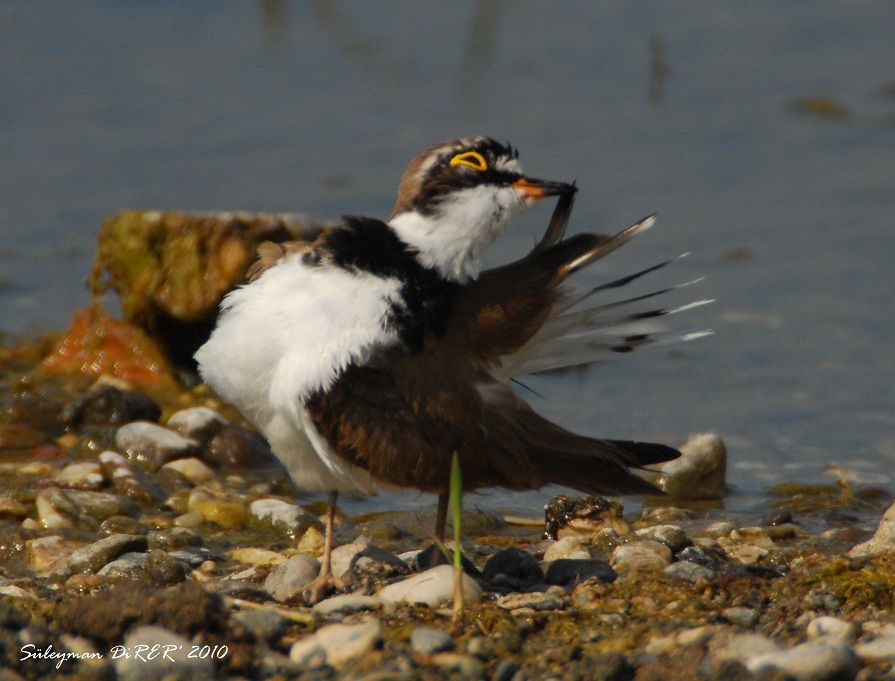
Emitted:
<point x="371" y="355"/>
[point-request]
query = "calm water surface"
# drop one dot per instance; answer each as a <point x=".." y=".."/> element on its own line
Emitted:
<point x="682" y="109"/>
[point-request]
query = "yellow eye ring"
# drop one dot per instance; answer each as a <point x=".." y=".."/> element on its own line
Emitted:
<point x="472" y="159"/>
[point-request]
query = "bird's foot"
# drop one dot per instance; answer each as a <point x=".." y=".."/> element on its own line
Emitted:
<point x="321" y="587"/>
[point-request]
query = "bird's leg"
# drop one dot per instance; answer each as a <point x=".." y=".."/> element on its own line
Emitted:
<point x="441" y="517"/>
<point x="325" y="582"/>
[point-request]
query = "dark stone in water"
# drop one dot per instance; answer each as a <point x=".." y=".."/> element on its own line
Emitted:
<point x="562" y="510"/>
<point x="515" y="563"/>
<point x="699" y="556"/>
<point x="569" y="573"/>
<point x="107" y="405"/>
<point x="238" y="448"/>
<point x="431" y="557"/>
<point x="737" y="571"/>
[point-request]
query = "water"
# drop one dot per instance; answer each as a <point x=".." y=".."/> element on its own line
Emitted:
<point x="685" y="110"/>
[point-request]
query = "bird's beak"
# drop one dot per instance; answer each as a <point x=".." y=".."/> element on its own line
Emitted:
<point x="539" y="189"/>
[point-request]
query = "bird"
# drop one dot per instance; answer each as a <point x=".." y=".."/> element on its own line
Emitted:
<point x="373" y="354"/>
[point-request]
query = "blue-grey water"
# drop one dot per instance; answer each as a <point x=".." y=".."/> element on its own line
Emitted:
<point x="685" y="109"/>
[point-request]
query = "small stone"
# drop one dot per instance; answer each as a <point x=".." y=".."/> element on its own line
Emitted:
<point x="127" y="566"/>
<point x="569" y="573"/>
<point x="428" y="640"/>
<point x="878" y="650"/>
<point x="431" y="556"/>
<point x="83" y="474"/>
<point x="265" y="624"/>
<point x="743" y="647"/>
<point x="197" y="423"/>
<point x="747" y="554"/>
<point x="641" y="556"/>
<point x="43" y="552"/>
<point x="192" y="469"/>
<point x="99" y="505"/>
<point x="153" y="445"/>
<point x="13" y="591"/>
<point x="336" y="644"/>
<point x="756" y="536"/>
<point x="163" y="569"/>
<point x="513" y="563"/>
<point x="662" y="515"/>
<point x="721" y="528"/>
<point x="173" y="538"/>
<point x="465" y="665"/>
<point x="882" y="541"/>
<point x="236" y="448"/>
<point x="531" y="601"/>
<point x="671" y="535"/>
<point x="109" y="405"/>
<point x="287" y="580"/>
<point x="122" y="524"/>
<point x="700" y="556"/>
<point x="217" y="507"/>
<point x="694" y="637"/>
<point x="689" y="572"/>
<point x="346" y="603"/>
<point x="312" y="541"/>
<point x="10" y="508"/>
<point x="582" y="517"/>
<point x="832" y="627"/>
<point x="54" y="510"/>
<point x="366" y="560"/>
<point x="255" y="556"/>
<point x="744" y="617"/>
<point x="818" y="660"/>
<point x="568" y="547"/>
<point x="288" y="518"/>
<point x="90" y="558"/>
<point x="177" y="665"/>
<point x="507" y="671"/>
<point x="700" y="472"/>
<point x="434" y="588"/>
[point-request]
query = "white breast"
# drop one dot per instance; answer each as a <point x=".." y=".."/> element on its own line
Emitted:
<point x="287" y="334"/>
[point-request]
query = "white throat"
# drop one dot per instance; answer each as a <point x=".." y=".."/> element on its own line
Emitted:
<point x="453" y="239"/>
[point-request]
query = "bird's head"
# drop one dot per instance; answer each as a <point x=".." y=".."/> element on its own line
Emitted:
<point x="456" y="197"/>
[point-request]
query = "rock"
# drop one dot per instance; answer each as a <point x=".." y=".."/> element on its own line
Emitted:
<point x="721" y="528"/>
<point x="690" y="572"/>
<point x="173" y="538"/>
<point x="582" y="517"/>
<point x="514" y="563"/>
<point x="191" y="468"/>
<point x="128" y="479"/>
<point x="172" y="662"/>
<point x="265" y="624"/>
<point x="99" y="505"/>
<point x="197" y="423"/>
<point x="286" y="581"/>
<point x="641" y="556"/>
<point x="13" y="591"/>
<point x="818" y="660"/>
<point x="568" y="547"/>
<point x="663" y="515"/>
<point x="362" y="561"/>
<point x="878" y="650"/>
<point x="153" y="445"/>
<point x="531" y="601"/>
<point x="569" y="573"/>
<point x="255" y="556"/>
<point x="84" y="474"/>
<point x="832" y="627"/>
<point x="744" y="647"/>
<point x="700" y="556"/>
<point x="10" y="508"/>
<point x="163" y="569"/>
<point x="127" y="566"/>
<point x="428" y="640"/>
<point x="236" y="448"/>
<point x="747" y="554"/>
<point x="431" y="556"/>
<point x="434" y="588"/>
<point x="54" y="510"/>
<point x="756" y="536"/>
<point x="336" y="644"/>
<point x="43" y="552"/>
<point x="106" y="404"/>
<point x="90" y="558"/>
<point x="671" y="535"/>
<point x="122" y="524"/>
<point x="882" y="541"/>
<point x="217" y="506"/>
<point x="745" y="617"/>
<point x="346" y="603"/>
<point x="288" y="518"/>
<point x="465" y="665"/>
<point x="700" y="472"/>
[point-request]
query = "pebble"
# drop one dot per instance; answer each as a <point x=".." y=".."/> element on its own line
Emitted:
<point x="10" y="508"/>
<point x="197" y="423"/>
<point x="216" y="506"/>
<point x="744" y="617"/>
<point x="428" y="640"/>
<point x="13" y="591"/>
<point x="129" y="565"/>
<point x="818" y="660"/>
<point x="190" y="520"/>
<point x="286" y="581"/>
<point x="255" y="556"/>
<point x="43" y="552"/>
<point x="236" y="448"/>
<point x="569" y="573"/>
<point x="366" y="560"/>
<point x="689" y="572"/>
<point x="122" y="524"/>
<point x="877" y="650"/>
<point x="109" y="405"/>
<point x="153" y="445"/>
<point x="336" y="644"/>
<point x="570" y="547"/>
<point x="90" y="558"/>
<point x="721" y="528"/>
<point x="434" y="588"/>
<point x="179" y="667"/>
<point x="700" y="472"/>
<point x="832" y="627"/>
<point x="582" y="517"/>
<point x="641" y="556"/>
<point x="743" y="647"/>
<point x="265" y="624"/>
<point x="747" y="554"/>
<point x="99" y="505"/>
<point x="531" y="601"/>
<point x="346" y="603"/>
<point x="173" y="538"/>
<point x="756" y="536"/>
<point x="515" y="563"/>
<point x="54" y="510"/>
<point x="84" y="474"/>
<point x="700" y="556"/>
<point x="191" y="468"/>
<point x="671" y="535"/>
<point x="465" y="665"/>
<point x="882" y="541"/>
<point x="289" y="518"/>
<point x="662" y="515"/>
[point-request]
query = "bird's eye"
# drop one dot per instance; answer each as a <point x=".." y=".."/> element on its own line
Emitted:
<point x="471" y="159"/>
